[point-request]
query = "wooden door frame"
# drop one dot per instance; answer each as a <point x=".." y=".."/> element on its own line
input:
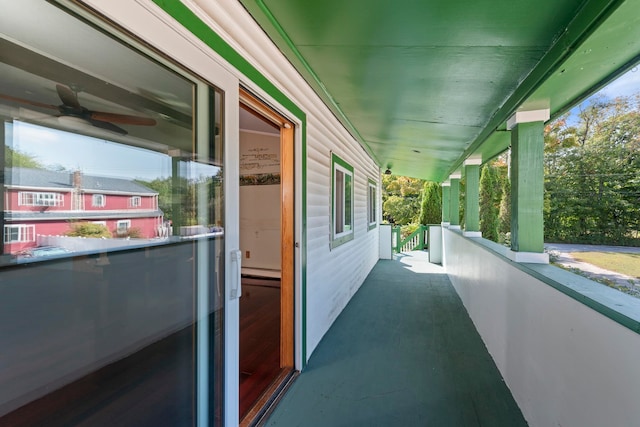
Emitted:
<point x="287" y="223"/>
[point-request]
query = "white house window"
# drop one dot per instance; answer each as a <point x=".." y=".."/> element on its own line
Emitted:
<point x="341" y="201"/>
<point x="19" y="233"/>
<point x="372" y="201"/>
<point x="36" y="198"/>
<point x="135" y="201"/>
<point x="98" y="200"/>
<point x="122" y="226"/>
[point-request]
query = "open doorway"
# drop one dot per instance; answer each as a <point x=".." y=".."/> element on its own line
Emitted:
<point x="266" y="241"/>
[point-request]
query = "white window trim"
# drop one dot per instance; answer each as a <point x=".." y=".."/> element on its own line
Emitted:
<point x="40" y="198"/>
<point x="339" y="165"/>
<point x="372" y="205"/>
<point x="135" y="201"/>
<point x="120" y="222"/>
<point x="98" y="205"/>
<point x="347" y="225"/>
<point x="26" y="233"/>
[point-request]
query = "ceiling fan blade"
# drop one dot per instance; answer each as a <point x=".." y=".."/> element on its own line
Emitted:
<point x="122" y="118"/>
<point x="68" y="97"/>
<point x="26" y="101"/>
<point x="108" y="126"/>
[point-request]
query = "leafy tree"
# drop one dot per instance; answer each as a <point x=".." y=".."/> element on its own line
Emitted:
<point x="163" y="187"/>
<point x="88" y="229"/>
<point x="488" y="208"/>
<point x="402" y="185"/>
<point x="400" y="210"/>
<point x="592" y="180"/>
<point x="133" y="233"/>
<point x="401" y="197"/>
<point x="184" y="194"/>
<point x="179" y="204"/>
<point x="504" y="213"/>
<point x="431" y="205"/>
<point x="408" y="229"/>
<point x="18" y="159"/>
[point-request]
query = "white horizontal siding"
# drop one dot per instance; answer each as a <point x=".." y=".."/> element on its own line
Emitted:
<point x="333" y="276"/>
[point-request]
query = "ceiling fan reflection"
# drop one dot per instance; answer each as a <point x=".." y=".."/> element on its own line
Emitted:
<point x="71" y="112"/>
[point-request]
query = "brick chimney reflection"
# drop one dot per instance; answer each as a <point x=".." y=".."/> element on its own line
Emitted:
<point x="77" y="179"/>
<point x="76" y="194"/>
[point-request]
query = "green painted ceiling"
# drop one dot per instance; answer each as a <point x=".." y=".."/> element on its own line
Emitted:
<point x="423" y="84"/>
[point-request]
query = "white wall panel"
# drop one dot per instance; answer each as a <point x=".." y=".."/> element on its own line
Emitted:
<point x="565" y="363"/>
<point x="333" y="276"/>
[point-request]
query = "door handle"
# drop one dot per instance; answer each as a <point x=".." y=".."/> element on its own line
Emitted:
<point x="236" y="273"/>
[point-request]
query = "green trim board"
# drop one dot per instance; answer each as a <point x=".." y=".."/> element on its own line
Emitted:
<point x="342" y="203"/>
<point x="527" y="187"/>
<point x="185" y="17"/>
<point x="454" y="202"/>
<point x="446" y="200"/>
<point x="617" y="306"/>
<point x="472" y="198"/>
<point x="372" y="205"/>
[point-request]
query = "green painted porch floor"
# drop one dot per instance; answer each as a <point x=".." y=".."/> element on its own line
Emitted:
<point x="404" y="352"/>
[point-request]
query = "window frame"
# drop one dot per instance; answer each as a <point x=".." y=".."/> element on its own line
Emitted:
<point x="22" y="228"/>
<point x="372" y="205"/>
<point x="40" y="198"/>
<point x="123" y="221"/>
<point x="347" y="192"/>
<point x="95" y="197"/>
<point x="135" y="201"/>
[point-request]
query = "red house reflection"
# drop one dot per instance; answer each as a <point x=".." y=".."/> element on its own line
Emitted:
<point x="40" y="202"/>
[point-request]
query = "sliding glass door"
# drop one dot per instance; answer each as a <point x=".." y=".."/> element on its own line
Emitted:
<point x="112" y="264"/>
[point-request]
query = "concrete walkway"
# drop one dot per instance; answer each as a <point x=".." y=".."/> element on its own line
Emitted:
<point x="402" y="353"/>
<point x="562" y="253"/>
<point x="574" y="247"/>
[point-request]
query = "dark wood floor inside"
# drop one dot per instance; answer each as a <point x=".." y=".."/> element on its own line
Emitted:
<point x="259" y="339"/>
<point x="151" y="387"/>
<point x="156" y="385"/>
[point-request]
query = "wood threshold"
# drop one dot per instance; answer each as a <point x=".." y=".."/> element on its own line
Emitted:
<point x="268" y="400"/>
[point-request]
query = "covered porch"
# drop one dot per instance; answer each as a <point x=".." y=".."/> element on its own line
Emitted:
<point x="494" y="336"/>
<point x="403" y="352"/>
<point x="436" y="91"/>
<point x="478" y="340"/>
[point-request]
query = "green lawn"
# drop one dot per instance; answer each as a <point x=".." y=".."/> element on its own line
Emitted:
<point x="628" y="264"/>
